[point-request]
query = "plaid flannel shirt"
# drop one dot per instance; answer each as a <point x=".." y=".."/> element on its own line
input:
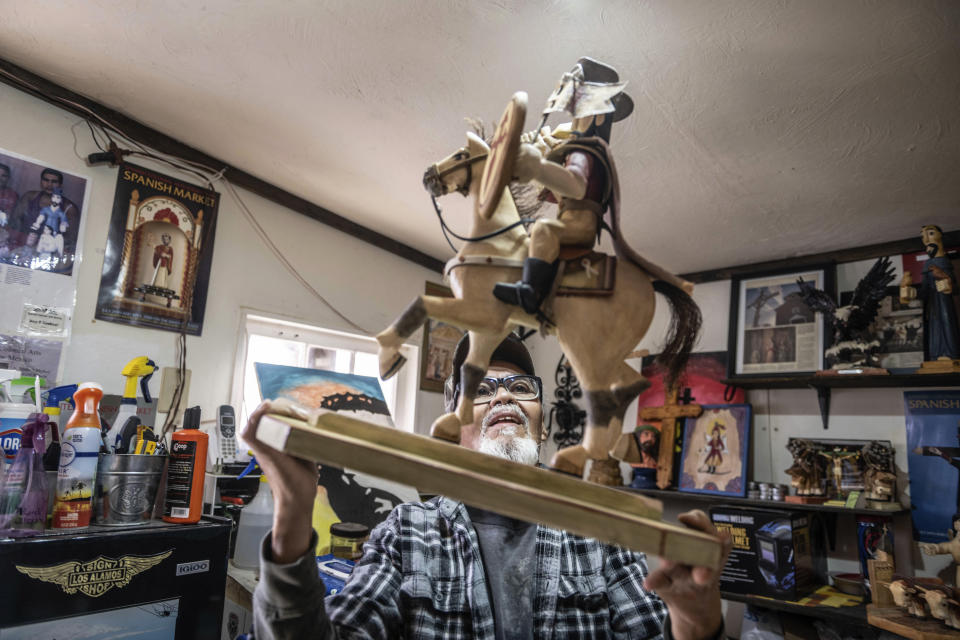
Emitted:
<point x="421" y="576"/>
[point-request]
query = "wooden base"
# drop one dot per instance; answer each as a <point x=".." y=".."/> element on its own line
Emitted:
<point x="516" y="490"/>
<point x="899" y="622"/>
<point x="854" y="372"/>
<point x="940" y="366"/>
<point x="805" y="499"/>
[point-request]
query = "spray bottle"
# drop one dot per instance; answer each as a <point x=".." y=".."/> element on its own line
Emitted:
<point x="185" y="475"/>
<point x="79" y="452"/>
<point x="12" y="416"/>
<point x="55" y="401"/>
<point x="23" y="490"/>
<point x="256" y="519"/>
<point x="143" y="368"/>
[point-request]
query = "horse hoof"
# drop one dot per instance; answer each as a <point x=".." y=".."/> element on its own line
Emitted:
<point x="571" y="460"/>
<point x="446" y="427"/>
<point x="390" y="362"/>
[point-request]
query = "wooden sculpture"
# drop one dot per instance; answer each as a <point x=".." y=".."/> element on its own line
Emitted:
<point x="596" y="328"/>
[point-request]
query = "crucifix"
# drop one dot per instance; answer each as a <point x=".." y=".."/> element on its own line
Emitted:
<point x="668" y="415"/>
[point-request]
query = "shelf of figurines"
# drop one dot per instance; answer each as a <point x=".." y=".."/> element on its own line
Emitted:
<point x="848" y="381"/>
<point x="860" y="505"/>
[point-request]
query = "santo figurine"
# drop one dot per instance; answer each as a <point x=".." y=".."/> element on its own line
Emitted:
<point x="578" y="171"/>
<point x="937" y="290"/>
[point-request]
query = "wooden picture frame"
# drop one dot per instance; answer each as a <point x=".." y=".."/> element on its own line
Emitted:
<point x="773" y="333"/>
<point x="439" y="342"/>
<point x="716" y="451"/>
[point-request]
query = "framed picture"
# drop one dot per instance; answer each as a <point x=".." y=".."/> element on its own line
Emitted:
<point x="439" y="342"/>
<point x="772" y="330"/>
<point x="716" y="449"/>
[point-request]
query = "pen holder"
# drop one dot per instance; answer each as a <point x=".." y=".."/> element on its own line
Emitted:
<point x="126" y="488"/>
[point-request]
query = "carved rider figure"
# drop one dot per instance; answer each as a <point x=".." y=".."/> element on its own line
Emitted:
<point x="579" y="171"/>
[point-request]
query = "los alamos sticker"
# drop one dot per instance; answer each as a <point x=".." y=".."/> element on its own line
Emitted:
<point x="96" y="577"/>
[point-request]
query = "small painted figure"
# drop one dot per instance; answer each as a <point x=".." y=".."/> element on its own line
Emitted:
<point x="716" y="447"/>
<point x="951" y="547"/>
<point x="578" y="171"/>
<point x="162" y="262"/>
<point x="937" y="290"/>
<point x="648" y="441"/>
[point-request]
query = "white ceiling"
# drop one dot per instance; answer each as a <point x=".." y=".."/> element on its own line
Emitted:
<point x="763" y="129"/>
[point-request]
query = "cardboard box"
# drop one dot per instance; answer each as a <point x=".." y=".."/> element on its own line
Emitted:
<point x="776" y="553"/>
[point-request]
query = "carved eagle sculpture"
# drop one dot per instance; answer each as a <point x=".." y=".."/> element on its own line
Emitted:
<point x="853" y="344"/>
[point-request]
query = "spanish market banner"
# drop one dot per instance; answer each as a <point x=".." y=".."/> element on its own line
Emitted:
<point x="156" y="268"/>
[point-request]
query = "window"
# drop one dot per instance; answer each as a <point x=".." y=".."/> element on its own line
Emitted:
<point x="276" y="341"/>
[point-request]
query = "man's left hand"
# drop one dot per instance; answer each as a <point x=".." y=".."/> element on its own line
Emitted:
<point x="692" y="594"/>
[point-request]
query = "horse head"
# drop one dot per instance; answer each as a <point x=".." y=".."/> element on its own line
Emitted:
<point x="456" y="172"/>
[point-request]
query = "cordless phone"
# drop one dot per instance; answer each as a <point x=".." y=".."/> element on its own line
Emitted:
<point x="227" y="429"/>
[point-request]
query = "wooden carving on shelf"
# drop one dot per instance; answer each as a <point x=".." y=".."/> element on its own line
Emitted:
<point x="597" y="318"/>
<point x="669" y="415"/>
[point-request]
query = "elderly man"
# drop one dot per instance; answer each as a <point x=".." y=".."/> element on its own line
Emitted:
<point x="441" y="569"/>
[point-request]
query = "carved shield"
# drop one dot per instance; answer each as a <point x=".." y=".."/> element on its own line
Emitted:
<point x="503" y="153"/>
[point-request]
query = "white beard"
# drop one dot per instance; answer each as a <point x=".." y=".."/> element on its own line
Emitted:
<point x="510" y="447"/>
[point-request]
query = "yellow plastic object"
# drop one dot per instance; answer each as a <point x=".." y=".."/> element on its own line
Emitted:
<point x="133" y="371"/>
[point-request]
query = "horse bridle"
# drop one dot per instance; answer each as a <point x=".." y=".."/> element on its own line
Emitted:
<point x="468" y="162"/>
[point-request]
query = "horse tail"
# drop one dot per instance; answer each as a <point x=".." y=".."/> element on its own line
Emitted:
<point x="684" y="330"/>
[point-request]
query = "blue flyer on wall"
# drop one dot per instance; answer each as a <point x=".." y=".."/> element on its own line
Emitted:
<point x="933" y="460"/>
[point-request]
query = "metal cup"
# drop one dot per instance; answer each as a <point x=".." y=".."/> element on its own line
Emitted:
<point x="127" y="486"/>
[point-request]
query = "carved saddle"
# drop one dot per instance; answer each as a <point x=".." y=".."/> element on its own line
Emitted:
<point x="584" y="272"/>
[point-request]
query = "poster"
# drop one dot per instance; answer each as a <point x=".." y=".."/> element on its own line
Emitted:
<point x="43" y="212"/>
<point x="933" y="460"/>
<point x="156" y="268"/>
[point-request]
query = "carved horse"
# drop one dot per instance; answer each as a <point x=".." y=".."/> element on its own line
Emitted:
<point x="596" y="333"/>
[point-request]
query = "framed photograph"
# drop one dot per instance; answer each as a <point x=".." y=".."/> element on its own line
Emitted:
<point x="439" y="342"/>
<point x="716" y="450"/>
<point x="772" y="330"/>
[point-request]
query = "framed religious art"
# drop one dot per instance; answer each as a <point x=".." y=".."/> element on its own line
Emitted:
<point x="716" y="450"/>
<point x="772" y="330"/>
<point x="439" y="342"/>
<point x="156" y="268"/>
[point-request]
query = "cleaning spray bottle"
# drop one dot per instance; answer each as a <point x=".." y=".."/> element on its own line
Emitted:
<point x="188" y="458"/>
<point x="54" y="402"/>
<point x="12" y="416"/>
<point x="142" y="368"/>
<point x="79" y="452"/>
<point x="23" y="489"/>
<point x="256" y="519"/>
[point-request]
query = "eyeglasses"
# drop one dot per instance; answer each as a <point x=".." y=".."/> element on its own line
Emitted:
<point x="521" y="387"/>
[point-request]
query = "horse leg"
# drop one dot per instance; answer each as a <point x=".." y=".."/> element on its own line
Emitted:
<point x="606" y="406"/>
<point x="482" y="345"/>
<point x="466" y="315"/>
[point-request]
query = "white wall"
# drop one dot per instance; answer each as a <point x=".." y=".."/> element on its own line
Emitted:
<point x="367" y="284"/>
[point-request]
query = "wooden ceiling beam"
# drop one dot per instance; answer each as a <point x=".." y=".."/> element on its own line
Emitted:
<point x="39" y="87"/>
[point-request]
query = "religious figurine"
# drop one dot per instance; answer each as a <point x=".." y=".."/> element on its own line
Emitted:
<point x="837" y="457"/>
<point x="716" y="447"/>
<point x="162" y="262"/>
<point x="853" y="344"/>
<point x="806" y="473"/>
<point x="879" y="479"/>
<point x="52" y="217"/>
<point x="599" y="314"/>
<point x="938" y="291"/>
<point x="647" y="441"/>
<point x="951" y="547"/>
<point x="579" y="173"/>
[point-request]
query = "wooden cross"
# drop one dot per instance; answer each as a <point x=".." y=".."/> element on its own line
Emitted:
<point x="668" y="415"/>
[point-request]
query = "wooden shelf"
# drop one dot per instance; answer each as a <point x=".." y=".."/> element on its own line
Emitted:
<point x="851" y="615"/>
<point x="847" y="381"/>
<point x="769" y="504"/>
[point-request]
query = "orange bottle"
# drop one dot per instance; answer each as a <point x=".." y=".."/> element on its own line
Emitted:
<point x="188" y="460"/>
<point x="79" y="454"/>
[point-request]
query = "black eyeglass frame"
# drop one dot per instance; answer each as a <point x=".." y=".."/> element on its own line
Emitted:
<point x="500" y="382"/>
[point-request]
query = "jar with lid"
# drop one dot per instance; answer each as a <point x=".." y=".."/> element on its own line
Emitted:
<point x="347" y="538"/>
